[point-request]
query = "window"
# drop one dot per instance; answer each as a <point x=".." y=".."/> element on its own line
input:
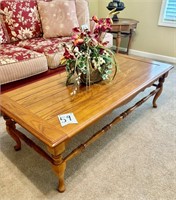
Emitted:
<point x="168" y="13"/>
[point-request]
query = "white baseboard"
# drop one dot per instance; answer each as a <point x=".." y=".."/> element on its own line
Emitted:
<point x="152" y="56"/>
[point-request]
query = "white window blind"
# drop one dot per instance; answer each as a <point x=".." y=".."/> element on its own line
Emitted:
<point x="168" y="13"/>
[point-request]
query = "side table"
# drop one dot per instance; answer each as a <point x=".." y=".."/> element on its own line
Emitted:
<point x="124" y="27"/>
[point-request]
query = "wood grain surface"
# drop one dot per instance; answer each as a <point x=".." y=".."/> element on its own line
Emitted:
<point x="37" y="105"/>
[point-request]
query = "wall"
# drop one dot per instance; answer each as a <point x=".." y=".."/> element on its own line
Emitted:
<point x="149" y="36"/>
<point x="93" y="5"/>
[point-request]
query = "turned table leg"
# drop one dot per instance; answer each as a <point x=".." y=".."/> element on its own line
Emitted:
<point x="129" y="40"/>
<point x="118" y="41"/>
<point x="59" y="165"/>
<point x="160" y="86"/>
<point x="60" y="172"/>
<point x="11" y="128"/>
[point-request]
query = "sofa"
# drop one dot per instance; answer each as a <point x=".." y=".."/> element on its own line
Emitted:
<point x="31" y="32"/>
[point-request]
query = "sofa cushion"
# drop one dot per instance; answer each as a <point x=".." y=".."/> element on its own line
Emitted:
<point x="47" y="46"/>
<point x="18" y="63"/>
<point x="3" y="32"/>
<point x="58" y="17"/>
<point x="82" y="11"/>
<point x="22" y="19"/>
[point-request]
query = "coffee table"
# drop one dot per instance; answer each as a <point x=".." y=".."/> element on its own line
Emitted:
<point x="36" y="107"/>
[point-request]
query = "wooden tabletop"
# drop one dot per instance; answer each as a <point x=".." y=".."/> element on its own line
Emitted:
<point x="125" y="21"/>
<point x="37" y="105"/>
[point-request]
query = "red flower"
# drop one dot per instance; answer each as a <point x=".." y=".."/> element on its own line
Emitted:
<point x="105" y="43"/>
<point x="109" y="21"/>
<point x="100" y="21"/>
<point x="95" y="19"/>
<point x="67" y="54"/>
<point x="101" y="51"/>
<point x="76" y="30"/>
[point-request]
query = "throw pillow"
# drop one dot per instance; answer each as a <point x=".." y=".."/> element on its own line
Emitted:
<point x="82" y="10"/>
<point x="3" y="32"/>
<point x="58" y="17"/>
<point x="21" y="19"/>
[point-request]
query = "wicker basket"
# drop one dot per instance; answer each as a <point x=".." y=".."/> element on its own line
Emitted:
<point x="94" y="77"/>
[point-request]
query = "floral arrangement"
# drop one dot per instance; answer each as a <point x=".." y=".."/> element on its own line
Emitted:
<point x="88" y="55"/>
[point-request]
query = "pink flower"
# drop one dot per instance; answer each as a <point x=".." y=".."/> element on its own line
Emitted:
<point x="74" y="37"/>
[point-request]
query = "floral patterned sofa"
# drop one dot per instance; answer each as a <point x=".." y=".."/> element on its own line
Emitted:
<point x="31" y="31"/>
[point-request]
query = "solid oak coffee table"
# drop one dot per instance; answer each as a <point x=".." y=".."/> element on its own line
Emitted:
<point x="36" y="107"/>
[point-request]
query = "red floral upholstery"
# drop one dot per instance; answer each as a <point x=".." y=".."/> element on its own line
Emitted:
<point x="10" y="53"/>
<point x="21" y="19"/>
<point x="18" y="63"/>
<point x="3" y="36"/>
<point x="28" y="54"/>
<point x="50" y="47"/>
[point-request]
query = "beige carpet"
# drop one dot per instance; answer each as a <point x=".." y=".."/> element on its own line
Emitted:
<point x="136" y="160"/>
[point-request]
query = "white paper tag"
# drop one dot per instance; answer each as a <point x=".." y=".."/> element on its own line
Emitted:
<point x="84" y="27"/>
<point x="66" y="119"/>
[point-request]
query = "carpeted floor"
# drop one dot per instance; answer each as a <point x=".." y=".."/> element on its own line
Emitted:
<point x="135" y="160"/>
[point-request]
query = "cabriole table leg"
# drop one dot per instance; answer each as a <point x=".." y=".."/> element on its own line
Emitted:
<point x="160" y="86"/>
<point x="11" y="128"/>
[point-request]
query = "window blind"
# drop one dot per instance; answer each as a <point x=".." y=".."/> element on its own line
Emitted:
<point x="168" y="13"/>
